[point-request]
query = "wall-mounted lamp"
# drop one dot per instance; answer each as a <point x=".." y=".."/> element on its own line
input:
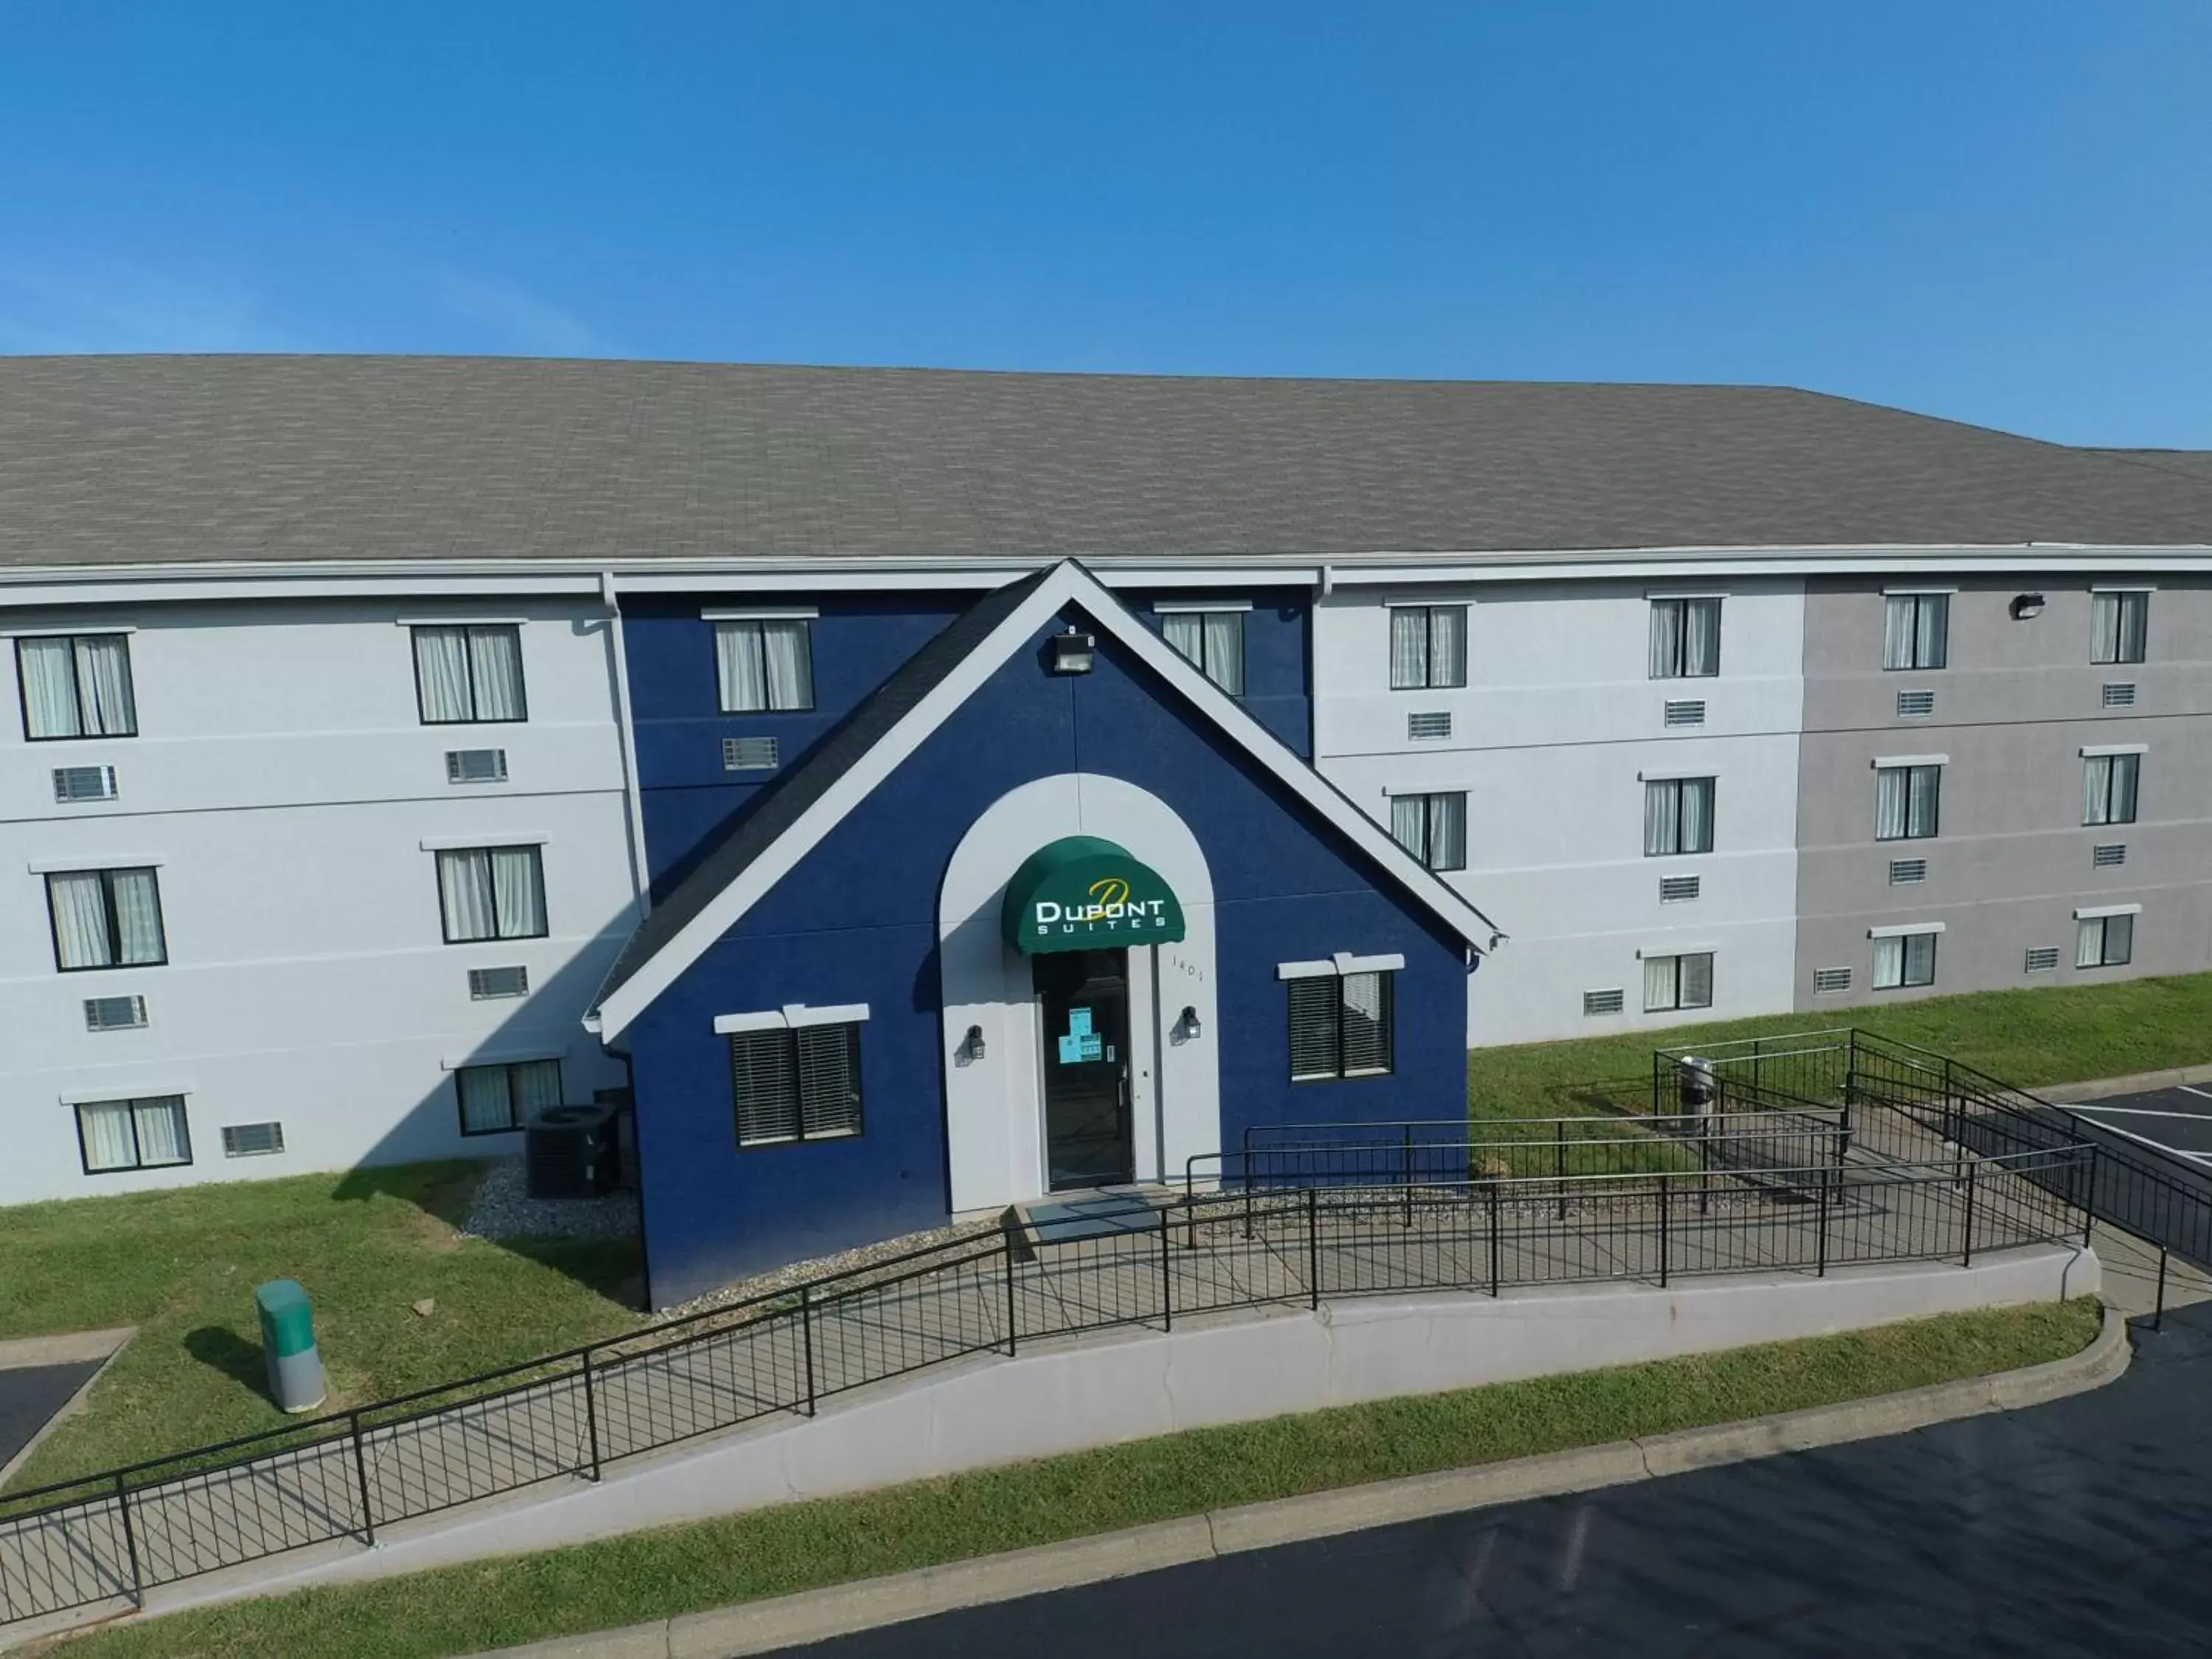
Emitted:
<point x="1073" y="652"/>
<point x="1187" y="1025"/>
<point x="972" y="1044"/>
<point x="2026" y="606"/>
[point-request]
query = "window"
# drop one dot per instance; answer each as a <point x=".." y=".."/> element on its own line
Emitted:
<point x="1916" y="632"/>
<point x="2108" y="788"/>
<point x="1678" y="817"/>
<point x="797" y="1084"/>
<point x="1673" y="983"/>
<point x="1212" y="641"/>
<point x="2105" y="941"/>
<point x="1686" y="639"/>
<point x="1428" y="647"/>
<point x="77" y="685"/>
<point x="469" y="673"/>
<point x="1432" y="828"/>
<point x="1903" y="959"/>
<point x="497" y="1098"/>
<point x="765" y="664"/>
<point x="106" y="919"/>
<point x="133" y="1135"/>
<point x="1905" y="801"/>
<point x="1341" y="1025"/>
<point x="491" y="892"/>
<point x="2118" y="624"/>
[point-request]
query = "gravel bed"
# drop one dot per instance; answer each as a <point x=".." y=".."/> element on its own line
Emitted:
<point x="503" y="1208"/>
<point x="866" y="1256"/>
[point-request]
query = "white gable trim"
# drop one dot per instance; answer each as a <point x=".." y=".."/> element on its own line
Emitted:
<point x="1067" y="583"/>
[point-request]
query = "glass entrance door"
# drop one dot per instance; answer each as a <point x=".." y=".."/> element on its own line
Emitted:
<point x="1084" y="999"/>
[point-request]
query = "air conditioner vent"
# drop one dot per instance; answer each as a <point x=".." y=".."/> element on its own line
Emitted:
<point x="1433" y="723"/>
<point x="1689" y="711"/>
<point x="2108" y="856"/>
<point x="1907" y="872"/>
<point x="1829" y="980"/>
<point x="476" y="766"/>
<point x="114" y="1013"/>
<point x="2043" y="959"/>
<point x="1674" y="890"/>
<point x="1913" y="705"/>
<point x="749" y="755"/>
<point x="571" y="1151"/>
<point x="76" y="783"/>
<point x="252" y="1139"/>
<point x="488" y="984"/>
<point x="1602" y="1002"/>
<point x="2119" y="693"/>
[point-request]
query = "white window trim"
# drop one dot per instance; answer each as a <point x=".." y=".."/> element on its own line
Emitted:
<point x="1682" y="777"/>
<point x="2124" y="588"/>
<point x="462" y="621"/>
<point x="66" y="633"/>
<point x="87" y="861"/>
<point x="2093" y="750"/>
<point x="1883" y="763"/>
<point x="1651" y="593"/>
<point x="1904" y="929"/>
<point x="1427" y="602"/>
<point x="762" y="613"/>
<point x="793" y="1016"/>
<point x="2097" y="911"/>
<point x="115" y="1091"/>
<point x="1305" y="969"/>
<point x="1693" y="949"/>
<point x="1342" y="964"/>
<point x="1391" y="789"/>
<point x="483" y="839"/>
<point x="501" y="1057"/>
<point x="1914" y="592"/>
<point x="1184" y="607"/>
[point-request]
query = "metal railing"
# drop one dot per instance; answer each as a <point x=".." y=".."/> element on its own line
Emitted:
<point x="117" y="1534"/>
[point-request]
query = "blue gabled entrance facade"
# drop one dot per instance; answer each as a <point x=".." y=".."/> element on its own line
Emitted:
<point x="837" y="1034"/>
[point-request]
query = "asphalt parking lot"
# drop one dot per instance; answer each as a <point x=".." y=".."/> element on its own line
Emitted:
<point x="29" y="1394"/>
<point x="2178" y="1120"/>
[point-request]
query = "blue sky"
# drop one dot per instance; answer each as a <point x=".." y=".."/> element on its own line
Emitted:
<point x="1993" y="211"/>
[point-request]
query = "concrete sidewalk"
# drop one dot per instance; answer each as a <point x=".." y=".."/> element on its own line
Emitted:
<point x="767" y="1626"/>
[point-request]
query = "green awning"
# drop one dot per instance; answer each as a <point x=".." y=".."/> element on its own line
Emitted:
<point x="1080" y="893"/>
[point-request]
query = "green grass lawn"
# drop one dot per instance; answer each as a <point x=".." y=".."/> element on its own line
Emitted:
<point x="182" y="1266"/>
<point x="657" y="1575"/>
<point x="2069" y="1034"/>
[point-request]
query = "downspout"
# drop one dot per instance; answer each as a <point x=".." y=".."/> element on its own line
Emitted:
<point x="633" y="801"/>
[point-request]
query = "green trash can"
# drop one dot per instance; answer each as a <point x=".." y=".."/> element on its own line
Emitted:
<point x="287" y="1340"/>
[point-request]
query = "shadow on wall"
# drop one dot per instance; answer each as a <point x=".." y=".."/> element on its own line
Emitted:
<point x="425" y="1160"/>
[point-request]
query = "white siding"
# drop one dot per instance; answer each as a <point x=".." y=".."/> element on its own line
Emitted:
<point x="283" y="779"/>
<point x="1551" y="736"/>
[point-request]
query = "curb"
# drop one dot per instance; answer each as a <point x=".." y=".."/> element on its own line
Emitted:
<point x="759" y="1627"/>
<point x="77" y="1347"/>
<point x="2174" y="1077"/>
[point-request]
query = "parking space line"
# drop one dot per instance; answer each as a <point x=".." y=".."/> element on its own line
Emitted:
<point x="2186" y="1090"/>
<point x="2159" y="1146"/>
<point x="2142" y="1111"/>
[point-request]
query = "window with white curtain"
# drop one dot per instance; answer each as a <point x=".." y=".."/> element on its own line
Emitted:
<point x="1342" y="1025"/>
<point x="106" y="919"/>
<point x="765" y="665"/>
<point x="1428" y="647"/>
<point x="1432" y="828"/>
<point x="469" y="674"/>
<point x="797" y="1084"/>
<point x="1678" y="817"/>
<point x="491" y="892"/>
<point x="2119" y="624"/>
<point x="1676" y="983"/>
<point x="1212" y="641"/>
<point x="1686" y="639"/>
<point x="1904" y="960"/>
<point x="497" y="1098"/>
<point x="2105" y="942"/>
<point x="2108" y="787"/>
<point x="1907" y="799"/>
<point x="77" y="685"/>
<point x="1915" y="633"/>
<point x="149" y="1134"/>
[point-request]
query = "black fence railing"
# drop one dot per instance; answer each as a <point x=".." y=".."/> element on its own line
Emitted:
<point x="120" y="1532"/>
